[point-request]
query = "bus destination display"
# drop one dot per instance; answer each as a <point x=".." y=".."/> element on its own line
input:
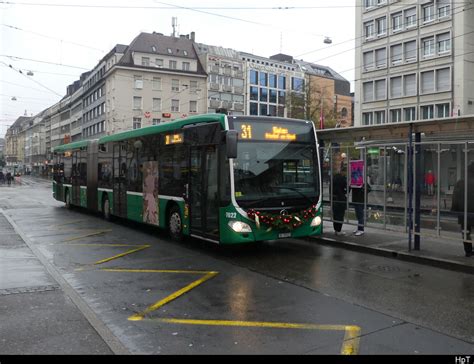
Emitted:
<point x="272" y="131"/>
<point x="174" y="139"/>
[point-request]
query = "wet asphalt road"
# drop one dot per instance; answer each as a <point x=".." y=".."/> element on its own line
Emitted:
<point x="143" y="293"/>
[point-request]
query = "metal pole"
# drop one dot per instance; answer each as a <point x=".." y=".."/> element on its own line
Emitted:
<point x="405" y="187"/>
<point x="385" y="187"/>
<point x="330" y="180"/>
<point x="410" y="186"/>
<point x="365" y="187"/>
<point x="438" y="212"/>
<point x="465" y="191"/>
<point x="418" y="179"/>
<point x="348" y="182"/>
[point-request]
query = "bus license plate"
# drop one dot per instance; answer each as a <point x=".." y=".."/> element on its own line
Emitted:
<point x="284" y="235"/>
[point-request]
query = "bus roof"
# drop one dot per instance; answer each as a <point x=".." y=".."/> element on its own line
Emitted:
<point x="71" y="146"/>
<point x="168" y="126"/>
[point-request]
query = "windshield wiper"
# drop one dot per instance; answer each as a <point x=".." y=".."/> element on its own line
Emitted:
<point x="295" y="190"/>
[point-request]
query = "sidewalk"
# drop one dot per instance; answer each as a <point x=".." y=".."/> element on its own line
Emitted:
<point x="437" y="252"/>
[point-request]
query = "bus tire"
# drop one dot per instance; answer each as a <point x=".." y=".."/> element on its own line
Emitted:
<point x="67" y="200"/>
<point x="106" y="209"/>
<point x="175" y="223"/>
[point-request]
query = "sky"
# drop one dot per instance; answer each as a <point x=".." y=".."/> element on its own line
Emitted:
<point x="58" y="40"/>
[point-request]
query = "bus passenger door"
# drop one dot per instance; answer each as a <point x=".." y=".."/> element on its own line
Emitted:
<point x="119" y="184"/>
<point x="203" y="191"/>
<point x="75" y="180"/>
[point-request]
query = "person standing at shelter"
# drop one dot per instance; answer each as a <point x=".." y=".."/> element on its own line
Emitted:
<point x="430" y="182"/>
<point x="457" y="206"/>
<point x="339" y="200"/>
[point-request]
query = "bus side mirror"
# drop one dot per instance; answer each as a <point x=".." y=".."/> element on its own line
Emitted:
<point x="231" y="143"/>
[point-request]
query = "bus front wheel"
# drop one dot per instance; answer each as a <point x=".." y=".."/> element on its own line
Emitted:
<point x="175" y="223"/>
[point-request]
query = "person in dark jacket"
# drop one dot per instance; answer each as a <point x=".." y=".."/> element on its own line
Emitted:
<point x="339" y="198"/>
<point x="458" y="206"/>
<point x="358" y="198"/>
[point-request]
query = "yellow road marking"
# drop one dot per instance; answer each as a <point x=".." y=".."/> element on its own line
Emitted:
<point x="143" y="247"/>
<point x="125" y="270"/>
<point x="350" y="345"/>
<point x="351" y="341"/>
<point x="99" y="232"/>
<point x="67" y="223"/>
<point x="140" y="316"/>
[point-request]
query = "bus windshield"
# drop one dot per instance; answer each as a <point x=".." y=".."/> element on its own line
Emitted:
<point x="276" y="164"/>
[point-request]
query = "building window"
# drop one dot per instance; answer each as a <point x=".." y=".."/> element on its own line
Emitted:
<point x="282" y="82"/>
<point x="367" y="118"/>
<point x="137" y="103"/>
<point x="443" y="79"/>
<point x="381" y="58"/>
<point x="396" y="87"/>
<point x="192" y="106"/>
<point x="138" y="82"/>
<point x="442" y="110"/>
<point x="253" y="93"/>
<point x="380" y="90"/>
<point x="409" y="85"/>
<point x="396" y="54"/>
<point x="173" y="65"/>
<point x="369" y="29"/>
<point x="444" y="9"/>
<point x="253" y="108"/>
<point x="158" y="62"/>
<point x="137" y="123"/>
<point x="379" y="117"/>
<point x="156" y="104"/>
<point x="156" y="121"/>
<point x="410" y="18"/>
<point x="427" y="82"/>
<point x="381" y="26"/>
<point x="272" y="80"/>
<point x="368" y="60"/>
<point x="264" y="94"/>
<point x="186" y="66"/>
<point x="156" y="83"/>
<point x="145" y="61"/>
<point x="397" y="22"/>
<point x="175" y="105"/>
<point x="428" y="47"/>
<point x="443" y="42"/>
<point x="253" y="77"/>
<point x="410" y="51"/>
<point x="428" y="13"/>
<point x="175" y="85"/>
<point x="395" y="115"/>
<point x="263" y="79"/>
<point x="193" y="85"/>
<point x="427" y="112"/>
<point x="409" y="113"/>
<point x="297" y="84"/>
<point x="368" y="91"/>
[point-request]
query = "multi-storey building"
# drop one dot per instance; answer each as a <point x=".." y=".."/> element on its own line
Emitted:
<point x="414" y="60"/>
<point x="275" y="86"/>
<point x="327" y="91"/>
<point x="226" y="78"/>
<point x="158" y="78"/>
<point x="35" y="147"/>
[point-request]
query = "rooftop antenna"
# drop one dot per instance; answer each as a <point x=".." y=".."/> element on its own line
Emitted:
<point x="174" y="24"/>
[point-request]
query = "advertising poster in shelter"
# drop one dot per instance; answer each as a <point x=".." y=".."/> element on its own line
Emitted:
<point x="357" y="173"/>
<point x="150" y="193"/>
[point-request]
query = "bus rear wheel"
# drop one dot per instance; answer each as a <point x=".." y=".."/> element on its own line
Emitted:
<point x="175" y="224"/>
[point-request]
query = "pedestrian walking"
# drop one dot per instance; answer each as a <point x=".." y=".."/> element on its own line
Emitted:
<point x="358" y="199"/>
<point x="9" y="178"/>
<point x="458" y="207"/>
<point x="430" y="182"/>
<point x="339" y="200"/>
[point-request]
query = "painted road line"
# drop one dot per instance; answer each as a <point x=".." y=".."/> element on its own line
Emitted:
<point x="126" y="270"/>
<point x="350" y="344"/>
<point x="141" y="315"/>
<point x="143" y="247"/>
<point x="98" y="232"/>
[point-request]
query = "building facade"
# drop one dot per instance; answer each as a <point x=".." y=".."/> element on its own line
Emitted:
<point x="414" y="60"/>
<point x="158" y="79"/>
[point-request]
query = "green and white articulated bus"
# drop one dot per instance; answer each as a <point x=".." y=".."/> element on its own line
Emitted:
<point x="226" y="179"/>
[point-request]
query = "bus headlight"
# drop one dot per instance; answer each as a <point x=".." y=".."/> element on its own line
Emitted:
<point x="240" y="227"/>
<point x="316" y="221"/>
